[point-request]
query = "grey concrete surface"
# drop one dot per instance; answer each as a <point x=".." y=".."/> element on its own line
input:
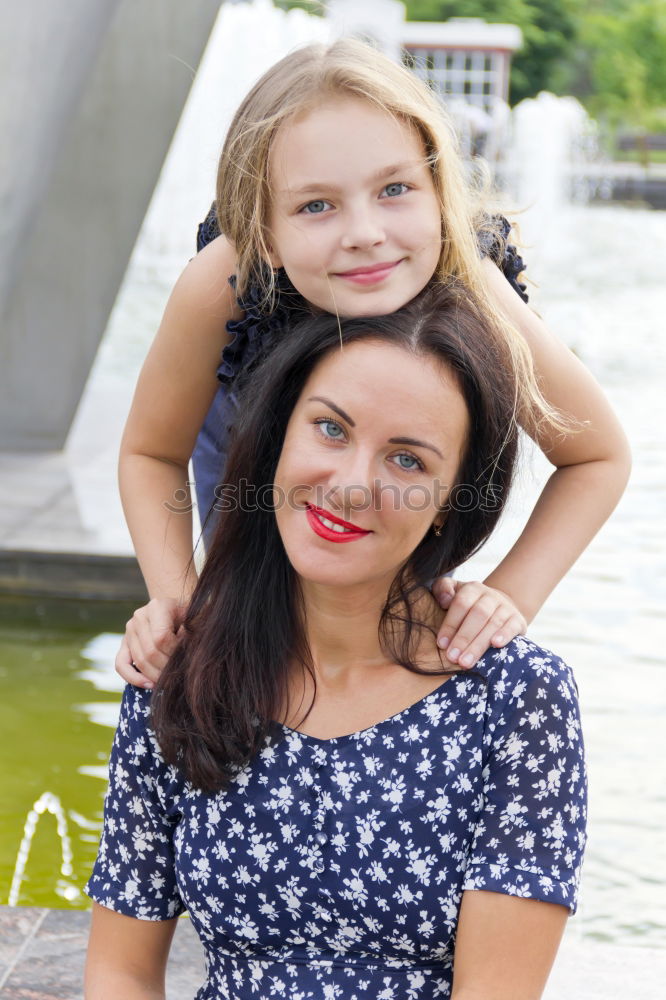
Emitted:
<point x="90" y="96"/>
<point x="42" y="954"/>
<point x="62" y="532"/>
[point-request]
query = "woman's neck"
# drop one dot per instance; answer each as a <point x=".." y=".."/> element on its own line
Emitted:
<point x="342" y="629"/>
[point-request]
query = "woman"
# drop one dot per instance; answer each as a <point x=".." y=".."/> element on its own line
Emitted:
<point x="345" y="850"/>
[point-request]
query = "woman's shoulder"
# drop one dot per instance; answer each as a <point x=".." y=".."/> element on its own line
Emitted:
<point x="523" y="671"/>
<point x="137" y="750"/>
<point x="134" y="720"/>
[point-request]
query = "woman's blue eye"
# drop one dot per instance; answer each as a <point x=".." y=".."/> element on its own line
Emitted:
<point x="315" y="207"/>
<point x="408" y="462"/>
<point x="330" y="428"/>
<point x="396" y="188"/>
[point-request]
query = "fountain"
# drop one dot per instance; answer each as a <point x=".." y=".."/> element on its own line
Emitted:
<point x="47" y="802"/>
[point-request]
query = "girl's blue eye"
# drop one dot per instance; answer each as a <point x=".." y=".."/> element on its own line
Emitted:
<point x="316" y="207"/>
<point x="408" y="462"/>
<point x="397" y="187"/>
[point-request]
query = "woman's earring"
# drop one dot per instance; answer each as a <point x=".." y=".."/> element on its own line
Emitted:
<point x="438" y="529"/>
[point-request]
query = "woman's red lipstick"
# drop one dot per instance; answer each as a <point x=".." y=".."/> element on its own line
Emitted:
<point x="315" y="515"/>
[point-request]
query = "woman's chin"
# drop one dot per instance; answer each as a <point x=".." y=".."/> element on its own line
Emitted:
<point x="336" y="573"/>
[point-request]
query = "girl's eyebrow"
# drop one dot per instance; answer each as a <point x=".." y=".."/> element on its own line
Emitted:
<point x="378" y="175"/>
<point x="412" y="442"/>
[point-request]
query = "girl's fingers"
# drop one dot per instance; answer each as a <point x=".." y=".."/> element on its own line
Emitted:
<point x="444" y="590"/>
<point x="152" y="637"/>
<point x="500" y="629"/>
<point x="515" y="625"/>
<point x="126" y="668"/>
<point x="464" y="620"/>
<point x="469" y="654"/>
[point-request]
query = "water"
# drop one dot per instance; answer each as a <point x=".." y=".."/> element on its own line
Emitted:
<point x="601" y="289"/>
<point x="58" y="704"/>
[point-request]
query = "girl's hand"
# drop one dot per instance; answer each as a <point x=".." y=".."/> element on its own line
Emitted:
<point x="477" y="617"/>
<point x="151" y="636"/>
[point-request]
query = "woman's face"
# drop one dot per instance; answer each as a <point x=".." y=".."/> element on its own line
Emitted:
<point x="355" y="219"/>
<point x="371" y="451"/>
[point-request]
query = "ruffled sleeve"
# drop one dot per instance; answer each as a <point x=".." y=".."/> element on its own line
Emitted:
<point x="253" y="336"/>
<point x="208" y="230"/>
<point x="493" y="243"/>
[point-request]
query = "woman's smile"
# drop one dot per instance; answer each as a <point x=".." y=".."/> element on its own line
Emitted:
<point x="332" y="528"/>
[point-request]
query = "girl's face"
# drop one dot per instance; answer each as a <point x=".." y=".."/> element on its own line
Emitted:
<point x="355" y="220"/>
<point x="371" y="452"/>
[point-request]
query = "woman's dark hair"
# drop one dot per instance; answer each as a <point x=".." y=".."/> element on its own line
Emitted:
<point x="216" y="700"/>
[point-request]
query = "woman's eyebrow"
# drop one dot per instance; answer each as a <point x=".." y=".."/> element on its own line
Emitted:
<point x="340" y="413"/>
<point x="415" y="443"/>
<point x="412" y="442"/>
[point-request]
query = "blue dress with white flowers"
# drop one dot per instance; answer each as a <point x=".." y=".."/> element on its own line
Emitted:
<point x="334" y="869"/>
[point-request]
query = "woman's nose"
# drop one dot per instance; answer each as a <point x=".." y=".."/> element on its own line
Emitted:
<point x="354" y="485"/>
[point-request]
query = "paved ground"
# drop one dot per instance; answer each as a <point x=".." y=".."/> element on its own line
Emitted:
<point x="42" y="955"/>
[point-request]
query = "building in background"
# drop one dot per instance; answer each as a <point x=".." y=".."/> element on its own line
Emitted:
<point x="464" y="58"/>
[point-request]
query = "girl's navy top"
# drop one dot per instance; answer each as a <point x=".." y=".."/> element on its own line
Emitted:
<point x="252" y="338"/>
<point x="334" y="868"/>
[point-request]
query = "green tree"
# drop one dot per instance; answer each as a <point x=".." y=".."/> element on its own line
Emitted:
<point x="627" y="49"/>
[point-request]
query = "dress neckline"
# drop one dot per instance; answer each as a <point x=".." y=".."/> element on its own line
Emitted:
<point x="436" y="692"/>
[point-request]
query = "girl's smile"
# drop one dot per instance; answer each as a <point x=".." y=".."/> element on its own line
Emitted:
<point x="355" y="219"/>
<point x="370" y="275"/>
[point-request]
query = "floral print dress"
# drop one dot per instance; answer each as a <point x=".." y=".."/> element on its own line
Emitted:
<point x="334" y="869"/>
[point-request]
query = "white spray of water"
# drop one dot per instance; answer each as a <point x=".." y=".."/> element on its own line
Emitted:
<point x="47" y="802"/>
<point x="552" y="161"/>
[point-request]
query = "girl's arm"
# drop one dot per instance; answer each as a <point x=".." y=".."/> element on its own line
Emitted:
<point x="126" y="957"/>
<point x="591" y="471"/>
<point x="505" y="946"/>
<point x="173" y="394"/>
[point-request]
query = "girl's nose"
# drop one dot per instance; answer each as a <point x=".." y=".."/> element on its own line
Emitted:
<point x="362" y="231"/>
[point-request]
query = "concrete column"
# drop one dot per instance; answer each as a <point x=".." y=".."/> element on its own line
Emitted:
<point x="90" y="95"/>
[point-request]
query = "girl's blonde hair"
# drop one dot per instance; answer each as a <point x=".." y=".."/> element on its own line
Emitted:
<point x="298" y="83"/>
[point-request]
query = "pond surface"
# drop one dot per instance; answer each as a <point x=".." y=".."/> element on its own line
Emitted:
<point x="58" y="703"/>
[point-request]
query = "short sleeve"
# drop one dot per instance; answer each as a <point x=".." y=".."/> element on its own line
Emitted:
<point x="531" y="831"/>
<point x="134" y="873"/>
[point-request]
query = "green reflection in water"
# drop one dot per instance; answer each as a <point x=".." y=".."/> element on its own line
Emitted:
<point x="55" y="718"/>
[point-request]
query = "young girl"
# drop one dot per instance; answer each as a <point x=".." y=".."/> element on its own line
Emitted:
<point x="340" y="189"/>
